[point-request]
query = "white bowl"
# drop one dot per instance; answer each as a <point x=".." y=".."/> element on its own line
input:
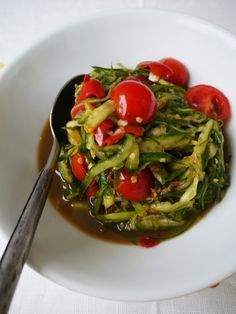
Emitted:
<point x="200" y="257"/>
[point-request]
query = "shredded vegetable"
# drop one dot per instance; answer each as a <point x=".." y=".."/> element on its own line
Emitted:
<point x="159" y="174"/>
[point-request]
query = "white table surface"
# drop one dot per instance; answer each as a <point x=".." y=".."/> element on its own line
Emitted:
<point x="23" y="22"/>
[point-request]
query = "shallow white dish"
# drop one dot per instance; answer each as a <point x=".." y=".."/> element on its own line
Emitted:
<point x="200" y="257"/>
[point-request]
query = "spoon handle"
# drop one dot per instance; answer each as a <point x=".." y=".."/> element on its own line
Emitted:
<point x="19" y="244"/>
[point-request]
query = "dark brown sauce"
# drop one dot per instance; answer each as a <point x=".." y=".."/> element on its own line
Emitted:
<point x="79" y="218"/>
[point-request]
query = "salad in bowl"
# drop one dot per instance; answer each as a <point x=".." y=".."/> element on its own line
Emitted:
<point x="144" y="156"/>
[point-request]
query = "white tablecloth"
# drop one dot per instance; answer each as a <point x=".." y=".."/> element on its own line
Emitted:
<point x="23" y="22"/>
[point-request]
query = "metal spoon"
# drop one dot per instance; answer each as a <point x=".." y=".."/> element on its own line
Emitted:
<point x="18" y="247"/>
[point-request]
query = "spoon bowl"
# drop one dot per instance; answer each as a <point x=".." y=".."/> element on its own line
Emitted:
<point x="61" y="110"/>
<point x="18" y="247"/>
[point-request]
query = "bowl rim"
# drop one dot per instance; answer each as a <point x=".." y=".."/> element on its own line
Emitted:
<point x="99" y="13"/>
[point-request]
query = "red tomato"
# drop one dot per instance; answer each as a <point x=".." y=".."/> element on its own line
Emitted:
<point x="113" y="138"/>
<point x="208" y="100"/>
<point x="157" y="68"/>
<point x="138" y="78"/>
<point x="135" y="102"/>
<point x="119" y="133"/>
<point x="76" y="109"/>
<point x="92" y="190"/>
<point x="134" y="129"/>
<point x="86" y="78"/>
<point x="91" y="88"/>
<point x="180" y="72"/>
<point x="148" y="241"/>
<point x="79" y="166"/>
<point x="101" y="131"/>
<point x="136" y="186"/>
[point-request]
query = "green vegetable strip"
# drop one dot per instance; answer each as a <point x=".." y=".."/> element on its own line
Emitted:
<point x="194" y="162"/>
<point x="141" y="209"/>
<point x="93" y="148"/>
<point x="155" y="222"/>
<point x="167" y="207"/>
<point x="98" y="115"/>
<point x="132" y="161"/>
<point x="98" y="201"/>
<point x="101" y="166"/>
<point x="116" y="175"/>
<point x="65" y="171"/>
<point x="111" y="149"/>
<point x="157" y="157"/>
<point x="203" y="138"/>
<point x="144" y="225"/>
<point x="116" y="217"/>
<point x="170" y="141"/>
<point x="108" y="195"/>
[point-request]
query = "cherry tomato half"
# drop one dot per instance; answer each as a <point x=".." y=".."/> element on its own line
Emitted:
<point x="78" y="166"/>
<point x="157" y="68"/>
<point x="138" y="78"/>
<point x="76" y="109"/>
<point x="100" y="132"/>
<point x="180" y="72"/>
<point x="137" y="186"/>
<point x="208" y="100"/>
<point x="118" y="134"/>
<point x="148" y="241"/>
<point x="92" y="190"/>
<point x="134" y="129"/>
<point x="135" y="102"/>
<point x="91" y="88"/>
<point x="113" y="138"/>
